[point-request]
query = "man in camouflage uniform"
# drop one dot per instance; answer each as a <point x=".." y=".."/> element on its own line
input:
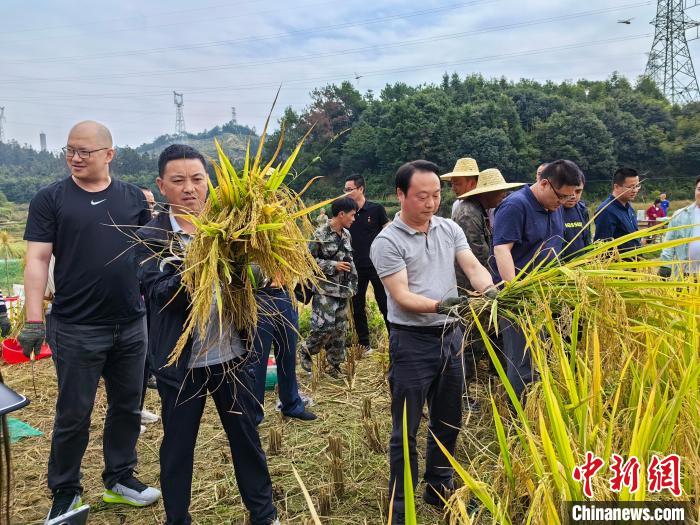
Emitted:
<point x="332" y="250"/>
<point x="471" y="214"/>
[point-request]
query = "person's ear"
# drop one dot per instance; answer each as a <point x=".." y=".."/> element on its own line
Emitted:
<point x="110" y="155"/>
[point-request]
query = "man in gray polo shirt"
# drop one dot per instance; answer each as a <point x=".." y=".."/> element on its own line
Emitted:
<point x="415" y="257"/>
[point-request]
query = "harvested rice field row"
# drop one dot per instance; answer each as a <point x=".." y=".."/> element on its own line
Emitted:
<point x="215" y="497"/>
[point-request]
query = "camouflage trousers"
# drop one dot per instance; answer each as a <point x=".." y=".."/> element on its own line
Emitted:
<point x="329" y="324"/>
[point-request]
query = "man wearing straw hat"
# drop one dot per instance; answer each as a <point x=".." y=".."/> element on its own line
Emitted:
<point x="462" y="179"/>
<point x="472" y="216"/>
<point x="415" y="256"/>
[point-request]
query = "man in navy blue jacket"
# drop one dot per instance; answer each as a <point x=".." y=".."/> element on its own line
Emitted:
<point x="215" y="363"/>
<point x="615" y="217"/>
<point x="529" y="231"/>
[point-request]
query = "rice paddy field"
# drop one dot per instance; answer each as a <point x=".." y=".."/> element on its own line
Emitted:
<point x="362" y="496"/>
<point x="616" y="346"/>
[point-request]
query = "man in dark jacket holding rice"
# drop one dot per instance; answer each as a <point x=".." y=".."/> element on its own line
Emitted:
<point x="214" y="362"/>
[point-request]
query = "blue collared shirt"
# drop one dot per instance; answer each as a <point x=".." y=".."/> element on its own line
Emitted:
<point x="536" y="233"/>
<point x="616" y="220"/>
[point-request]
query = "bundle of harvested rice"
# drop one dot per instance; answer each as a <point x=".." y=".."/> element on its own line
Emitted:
<point x="250" y="218"/>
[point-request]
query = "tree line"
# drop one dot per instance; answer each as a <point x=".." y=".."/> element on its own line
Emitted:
<point x="513" y="126"/>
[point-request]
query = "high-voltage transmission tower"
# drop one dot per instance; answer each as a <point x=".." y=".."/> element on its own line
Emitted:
<point x="179" y="115"/>
<point x="670" y="65"/>
<point x="2" y="124"/>
<point x="233" y="114"/>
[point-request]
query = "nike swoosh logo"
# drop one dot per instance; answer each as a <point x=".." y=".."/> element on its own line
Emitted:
<point x="98" y="202"/>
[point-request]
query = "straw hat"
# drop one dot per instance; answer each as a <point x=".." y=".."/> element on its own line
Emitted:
<point x="465" y="167"/>
<point x="491" y="180"/>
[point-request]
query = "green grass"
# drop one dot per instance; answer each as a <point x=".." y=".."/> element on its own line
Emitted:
<point x="11" y="273"/>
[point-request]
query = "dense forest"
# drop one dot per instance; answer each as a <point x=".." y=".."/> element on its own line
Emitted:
<point x="513" y="126"/>
<point x="509" y="125"/>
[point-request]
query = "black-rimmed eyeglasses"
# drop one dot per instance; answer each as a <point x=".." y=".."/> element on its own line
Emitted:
<point x="82" y="153"/>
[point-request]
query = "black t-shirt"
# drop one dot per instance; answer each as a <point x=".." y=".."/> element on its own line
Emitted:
<point x="95" y="271"/>
<point x="369" y="221"/>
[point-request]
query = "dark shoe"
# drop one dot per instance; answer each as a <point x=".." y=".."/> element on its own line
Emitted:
<point x="305" y="361"/>
<point x="434" y="495"/>
<point x="152" y="382"/>
<point x="472" y="405"/>
<point x="64" y="501"/>
<point x="303" y="416"/>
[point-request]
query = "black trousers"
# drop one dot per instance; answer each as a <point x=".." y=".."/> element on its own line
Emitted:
<point x="520" y="370"/>
<point x="144" y="387"/>
<point x="475" y="350"/>
<point x="424" y="367"/>
<point x="359" y="301"/>
<point x="82" y="354"/>
<point x="231" y="387"/>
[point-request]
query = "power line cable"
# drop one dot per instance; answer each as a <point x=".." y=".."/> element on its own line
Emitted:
<point x="328" y="28"/>
<point x="404" y="43"/>
<point x="136" y="17"/>
<point x="188" y="22"/>
<point x="344" y="76"/>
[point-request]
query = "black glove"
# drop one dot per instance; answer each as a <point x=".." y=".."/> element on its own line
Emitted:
<point x="31" y="337"/>
<point x="665" y="272"/>
<point x="5" y="325"/>
<point x="491" y="292"/>
<point x="446" y="307"/>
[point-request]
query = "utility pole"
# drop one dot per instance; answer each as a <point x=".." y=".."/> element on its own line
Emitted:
<point x="179" y="116"/>
<point x="670" y="65"/>
<point x="2" y="123"/>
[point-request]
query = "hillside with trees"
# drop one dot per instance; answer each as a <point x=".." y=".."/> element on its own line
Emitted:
<point x="509" y="125"/>
<point x="513" y="126"/>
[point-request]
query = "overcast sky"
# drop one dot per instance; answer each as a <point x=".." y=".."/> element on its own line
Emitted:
<point x="118" y="62"/>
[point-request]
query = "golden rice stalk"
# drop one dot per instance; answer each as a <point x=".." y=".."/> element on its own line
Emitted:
<point x="274" y="445"/>
<point x="325" y="500"/>
<point x="251" y="216"/>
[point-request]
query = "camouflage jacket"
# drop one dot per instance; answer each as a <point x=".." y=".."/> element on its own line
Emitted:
<point x="329" y="248"/>
<point x="474" y="220"/>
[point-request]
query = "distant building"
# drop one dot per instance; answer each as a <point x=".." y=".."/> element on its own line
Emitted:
<point x="42" y="140"/>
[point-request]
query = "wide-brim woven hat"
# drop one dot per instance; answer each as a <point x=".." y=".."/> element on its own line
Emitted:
<point x="491" y="180"/>
<point x="466" y="167"/>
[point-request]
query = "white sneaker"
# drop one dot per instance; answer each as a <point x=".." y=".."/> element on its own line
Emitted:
<point x="143" y="429"/>
<point x="148" y="417"/>
<point x="367" y="351"/>
<point x="131" y="491"/>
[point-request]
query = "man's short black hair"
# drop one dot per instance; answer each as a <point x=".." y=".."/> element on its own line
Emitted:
<point x="623" y="173"/>
<point x="178" y="151"/>
<point x="345" y="204"/>
<point x="359" y="180"/>
<point x="405" y="173"/>
<point x="697" y="180"/>
<point x="563" y="172"/>
<point x="657" y="201"/>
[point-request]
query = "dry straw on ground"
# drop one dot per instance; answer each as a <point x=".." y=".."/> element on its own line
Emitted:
<point x="215" y="497"/>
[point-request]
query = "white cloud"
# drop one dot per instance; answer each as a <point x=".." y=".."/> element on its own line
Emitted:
<point x="138" y="106"/>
